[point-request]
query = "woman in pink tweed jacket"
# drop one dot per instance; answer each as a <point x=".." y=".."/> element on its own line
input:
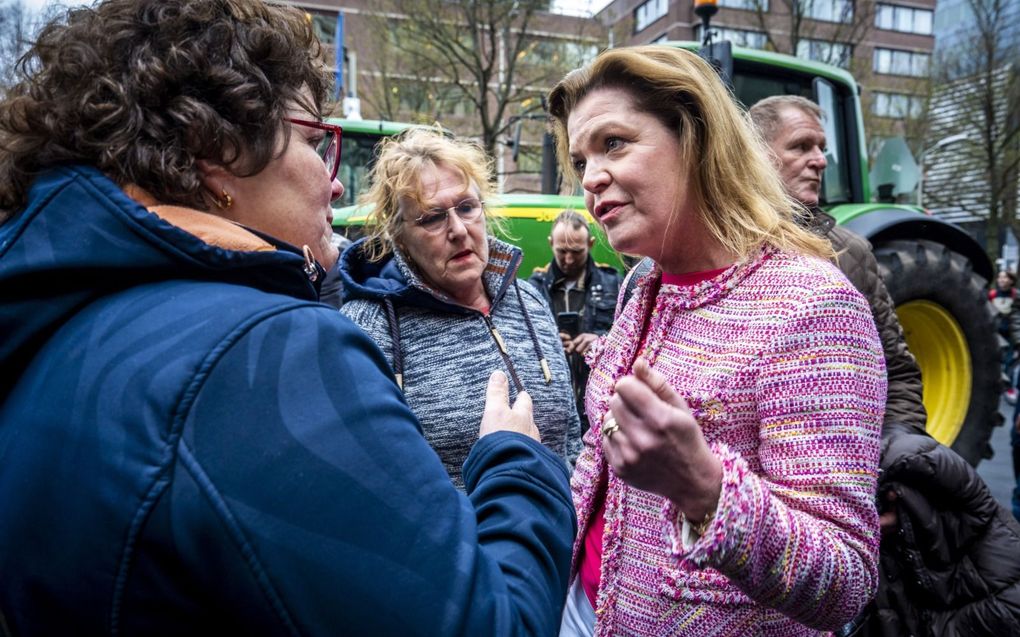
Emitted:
<point x="727" y="484"/>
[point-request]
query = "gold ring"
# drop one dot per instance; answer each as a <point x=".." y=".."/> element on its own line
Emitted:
<point x="609" y="427"/>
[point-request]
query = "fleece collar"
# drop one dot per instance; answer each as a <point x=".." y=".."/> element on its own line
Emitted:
<point x="396" y="278"/>
<point x="211" y="229"/>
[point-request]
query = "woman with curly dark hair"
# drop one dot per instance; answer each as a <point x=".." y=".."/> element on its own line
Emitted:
<point x="189" y="441"/>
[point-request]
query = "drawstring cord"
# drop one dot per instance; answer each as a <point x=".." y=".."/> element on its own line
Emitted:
<point x="398" y="357"/>
<point x="544" y="364"/>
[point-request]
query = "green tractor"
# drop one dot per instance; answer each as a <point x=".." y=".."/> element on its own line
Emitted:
<point x="936" y="273"/>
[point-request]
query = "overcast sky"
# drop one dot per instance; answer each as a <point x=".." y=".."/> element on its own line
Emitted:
<point x="38" y="4"/>
<point x="574" y="7"/>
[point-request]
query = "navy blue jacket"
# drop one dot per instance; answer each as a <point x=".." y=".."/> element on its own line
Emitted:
<point x="190" y="443"/>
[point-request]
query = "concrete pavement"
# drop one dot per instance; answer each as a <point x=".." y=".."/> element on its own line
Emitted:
<point x="998" y="472"/>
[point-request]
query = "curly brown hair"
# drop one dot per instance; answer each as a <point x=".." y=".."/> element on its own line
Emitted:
<point x="142" y="89"/>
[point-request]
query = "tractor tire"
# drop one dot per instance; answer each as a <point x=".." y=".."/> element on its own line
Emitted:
<point x="950" y="328"/>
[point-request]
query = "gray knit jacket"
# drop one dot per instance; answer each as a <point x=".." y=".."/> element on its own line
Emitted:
<point x="447" y="352"/>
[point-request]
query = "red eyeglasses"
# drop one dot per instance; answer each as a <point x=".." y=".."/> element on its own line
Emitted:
<point x="329" y="146"/>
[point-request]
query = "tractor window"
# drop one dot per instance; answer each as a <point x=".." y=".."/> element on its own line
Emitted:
<point x="836" y="180"/>
<point x="750" y="87"/>
<point x="356" y="158"/>
<point x="753" y="82"/>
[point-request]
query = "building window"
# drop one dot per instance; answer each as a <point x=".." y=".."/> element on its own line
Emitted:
<point x="648" y="13"/>
<point x="905" y="19"/>
<point x="895" y="62"/>
<point x="324" y="26"/>
<point x="836" y="53"/>
<point x="747" y="5"/>
<point x="558" y="53"/>
<point x="897" y="105"/>
<point x="739" y="37"/>
<point x="828" y="10"/>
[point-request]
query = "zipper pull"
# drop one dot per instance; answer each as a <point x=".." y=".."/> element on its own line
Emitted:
<point x="501" y="345"/>
<point x="309" y="267"/>
<point x="498" y="337"/>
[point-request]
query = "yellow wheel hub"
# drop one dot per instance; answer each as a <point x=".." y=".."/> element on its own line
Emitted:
<point x="940" y="347"/>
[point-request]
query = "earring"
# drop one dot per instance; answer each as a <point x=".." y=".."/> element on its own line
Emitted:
<point x="224" y="201"/>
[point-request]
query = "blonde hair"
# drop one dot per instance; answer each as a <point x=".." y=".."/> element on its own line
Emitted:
<point x="741" y="199"/>
<point x="397" y="175"/>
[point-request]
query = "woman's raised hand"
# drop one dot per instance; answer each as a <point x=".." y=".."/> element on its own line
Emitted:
<point x="500" y="416"/>
<point x="656" y="445"/>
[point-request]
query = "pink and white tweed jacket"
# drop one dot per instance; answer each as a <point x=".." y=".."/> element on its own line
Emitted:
<point x="781" y="364"/>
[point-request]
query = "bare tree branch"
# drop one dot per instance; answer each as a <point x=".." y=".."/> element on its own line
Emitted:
<point x="489" y="53"/>
<point x="979" y="96"/>
<point x="18" y="27"/>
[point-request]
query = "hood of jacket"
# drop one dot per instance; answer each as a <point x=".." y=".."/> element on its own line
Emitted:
<point x="393" y="278"/>
<point x="81" y="237"/>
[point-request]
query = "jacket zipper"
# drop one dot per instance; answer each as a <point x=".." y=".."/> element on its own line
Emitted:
<point x="501" y="346"/>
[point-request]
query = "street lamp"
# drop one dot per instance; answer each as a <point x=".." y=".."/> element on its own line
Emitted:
<point x="942" y="143"/>
<point x="705" y="9"/>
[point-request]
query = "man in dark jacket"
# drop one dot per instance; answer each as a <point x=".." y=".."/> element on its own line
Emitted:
<point x="571" y="284"/>
<point x="949" y="552"/>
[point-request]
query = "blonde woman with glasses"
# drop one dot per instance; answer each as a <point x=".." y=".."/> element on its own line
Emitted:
<point x="440" y="295"/>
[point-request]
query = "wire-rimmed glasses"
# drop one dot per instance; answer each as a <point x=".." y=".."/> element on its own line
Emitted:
<point x="436" y="219"/>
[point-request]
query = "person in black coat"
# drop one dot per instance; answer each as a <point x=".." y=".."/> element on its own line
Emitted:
<point x="952" y="564"/>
